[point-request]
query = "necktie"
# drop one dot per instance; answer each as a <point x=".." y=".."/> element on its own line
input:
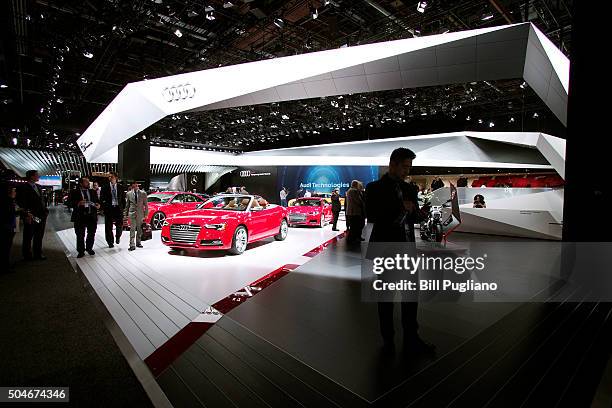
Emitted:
<point x="114" y="188"/>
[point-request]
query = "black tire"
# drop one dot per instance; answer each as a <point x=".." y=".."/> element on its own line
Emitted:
<point x="282" y="231"/>
<point x="157" y="220"/>
<point x="239" y="241"/>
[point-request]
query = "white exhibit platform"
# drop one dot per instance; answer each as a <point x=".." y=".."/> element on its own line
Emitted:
<point x="152" y="293"/>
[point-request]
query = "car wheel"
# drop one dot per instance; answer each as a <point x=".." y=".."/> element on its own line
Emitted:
<point x="240" y="240"/>
<point x="157" y="221"/>
<point x="282" y="233"/>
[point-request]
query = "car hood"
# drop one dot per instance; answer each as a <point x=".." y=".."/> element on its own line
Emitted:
<point x="200" y="217"/>
<point x="302" y="209"/>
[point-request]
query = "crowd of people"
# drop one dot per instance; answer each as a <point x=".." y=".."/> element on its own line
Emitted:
<point x="29" y="202"/>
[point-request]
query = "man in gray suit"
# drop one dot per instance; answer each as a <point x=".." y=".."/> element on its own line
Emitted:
<point x="136" y="208"/>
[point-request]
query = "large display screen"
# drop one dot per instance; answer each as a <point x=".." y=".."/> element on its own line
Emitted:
<point x="323" y="179"/>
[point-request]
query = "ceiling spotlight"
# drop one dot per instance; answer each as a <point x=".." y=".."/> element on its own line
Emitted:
<point x="279" y="22"/>
<point x="511" y="120"/>
<point x="326" y="2"/>
<point x="87" y="54"/>
<point x="314" y="13"/>
<point x="210" y="15"/>
<point x="59" y="100"/>
<point x="491" y="124"/>
<point x="228" y="4"/>
<point x="480" y="121"/>
<point x="468" y="117"/>
<point x="14" y="140"/>
<point x="178" y="33"/>
<point x="83" y="80"/>
<point x="487" y="17"/>
<point x="3" y="86"/>
<point x="535" y="115"/>
<point x="523" y="85"/>
<point x="421" y="6"/>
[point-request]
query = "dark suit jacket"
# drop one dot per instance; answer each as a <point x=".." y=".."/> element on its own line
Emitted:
<point x="335" y="202"/>
<point x="106" y="196"/>
<point x="30" y="200"/>
<point x="385" y="209"/>
<point x="80" y="213"/>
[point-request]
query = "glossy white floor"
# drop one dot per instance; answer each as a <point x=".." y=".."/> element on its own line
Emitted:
<point x="152" y="293"/>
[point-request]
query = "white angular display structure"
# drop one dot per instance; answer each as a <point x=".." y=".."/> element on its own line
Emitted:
<point x="496" y="53"/>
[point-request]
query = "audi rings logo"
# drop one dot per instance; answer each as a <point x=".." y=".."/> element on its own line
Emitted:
<point x="179" y="92"/>
<point x="245" y="173"/>
<point x="182" y="227"/>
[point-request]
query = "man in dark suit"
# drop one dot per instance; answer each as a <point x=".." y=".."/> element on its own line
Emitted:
<point x="392" y="207"/>
<point x="336" y="207"/>
<point x="30" y="200"/>
<point x="85" y="204"/>
<point x="112" y="198"/>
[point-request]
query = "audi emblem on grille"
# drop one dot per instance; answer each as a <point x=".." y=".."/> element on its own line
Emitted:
<point x="182" y="227"/>
<point x="245" y="173"/>
<point x="178" y="92"/>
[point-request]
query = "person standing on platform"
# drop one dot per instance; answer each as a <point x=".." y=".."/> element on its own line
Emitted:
<point x="112" y="198"/>
<point x="136" y="208"/>
<point x="30" y="199"/>
<point x="85" y="204"/>
<point x="283" y="197"/>
<point x="9" y="224"/>
<point x="355" y="212"/>
<point x="392" y="207"/>
<point x="336" y="207"/>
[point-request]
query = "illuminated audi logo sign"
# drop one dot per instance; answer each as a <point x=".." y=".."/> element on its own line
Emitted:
<point x="178" y="92"/>
<point x="245" y="173"/>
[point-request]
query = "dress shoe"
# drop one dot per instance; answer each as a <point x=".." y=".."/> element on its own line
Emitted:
<point x="91" y="252"/>
<point x="81" y="254"/>
<point x="416" y="344"/>
<point x="111" y="245"/>
<point x="335" y="229"/>
<point x="139" y="246"/>
<point x="131" y="248"/>
<point x="117" y="240"/>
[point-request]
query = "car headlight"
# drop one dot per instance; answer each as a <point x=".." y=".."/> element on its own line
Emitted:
<point x="218" y="227"/>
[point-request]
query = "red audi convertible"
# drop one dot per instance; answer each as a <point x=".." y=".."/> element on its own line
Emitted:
<point x="227" y="221"/>
<point x="310" y="211"/>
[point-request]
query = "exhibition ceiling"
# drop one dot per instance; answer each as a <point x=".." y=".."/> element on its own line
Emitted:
<point x="64" y="62"/>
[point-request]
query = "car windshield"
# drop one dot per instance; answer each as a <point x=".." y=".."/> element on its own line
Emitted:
<point x="307" y="203"/>
<point x="233" y="203"/>
<point x="158" y="198"/>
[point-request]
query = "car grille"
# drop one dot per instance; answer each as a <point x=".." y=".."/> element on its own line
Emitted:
<point x="184" y="233"/>
<point x="297" y="217"/>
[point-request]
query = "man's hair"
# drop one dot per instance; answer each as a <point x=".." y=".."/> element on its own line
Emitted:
<point x="82" y="178"/>
<point x="355" y="183"/>
<point x="30" y="173"/>
<point x="400" y="154"/>
<point x="114" y="174"/>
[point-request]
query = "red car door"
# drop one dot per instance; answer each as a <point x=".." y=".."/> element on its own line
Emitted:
<point x="258" y="224"/>
<point x="176" y="205"/>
